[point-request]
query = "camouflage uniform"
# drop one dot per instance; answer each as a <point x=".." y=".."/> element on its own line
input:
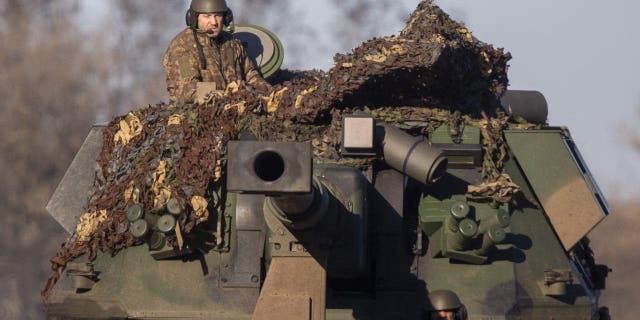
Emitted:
<point x="226" y="62"/>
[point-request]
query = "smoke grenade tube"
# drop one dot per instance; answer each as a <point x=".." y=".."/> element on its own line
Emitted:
<point x="413" y="157"/>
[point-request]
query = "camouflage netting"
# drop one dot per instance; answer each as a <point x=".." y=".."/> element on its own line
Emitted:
<point x="435" y="72"/>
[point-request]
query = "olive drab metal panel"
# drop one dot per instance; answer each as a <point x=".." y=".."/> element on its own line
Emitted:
<point x="560" y="180"/>
<point x="69" y="200"/>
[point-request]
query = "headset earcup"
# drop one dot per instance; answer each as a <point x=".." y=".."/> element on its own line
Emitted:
<point x="462" y="313"/>
<point x="190" y="17"/>
<point x="228" y="18"/>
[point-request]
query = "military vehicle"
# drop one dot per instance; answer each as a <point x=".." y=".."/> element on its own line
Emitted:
<point x="302" y="240"/>
<point x="294" y="237"/>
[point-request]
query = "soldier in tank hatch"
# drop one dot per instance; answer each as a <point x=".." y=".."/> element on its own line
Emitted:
<point x="205" y="57"/>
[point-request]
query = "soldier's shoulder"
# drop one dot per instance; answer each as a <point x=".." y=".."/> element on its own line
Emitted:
<point x="233" y="42"/>
<point x="237" y="43"/>
<point x="183" y="40"/>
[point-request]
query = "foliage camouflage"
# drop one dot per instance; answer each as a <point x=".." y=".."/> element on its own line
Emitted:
<point x="435" y="72"/>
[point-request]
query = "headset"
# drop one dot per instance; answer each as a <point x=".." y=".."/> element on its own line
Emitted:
<point x="192" y="18"/>
<point x="461" y="314"/>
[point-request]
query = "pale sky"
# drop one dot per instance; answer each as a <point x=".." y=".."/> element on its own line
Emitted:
<point x="582" y="55"/>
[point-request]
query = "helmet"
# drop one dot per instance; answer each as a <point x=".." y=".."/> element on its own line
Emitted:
<point x="208" y="6"/>
<point x="444" y="300"/>
<point x="447" y="300"/>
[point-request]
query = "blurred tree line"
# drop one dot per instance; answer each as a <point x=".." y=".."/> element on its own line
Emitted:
<point x="42" y="120"/>
<point x="69" y="63"/>
<point x="615" y="241"/>
<point x="57" y="79"/>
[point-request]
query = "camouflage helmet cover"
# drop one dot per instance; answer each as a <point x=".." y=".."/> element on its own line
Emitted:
<point x="208" y="6"/>
<point x="444" y="300"/>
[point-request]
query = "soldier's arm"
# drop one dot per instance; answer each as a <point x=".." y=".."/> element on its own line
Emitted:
<point x="252" y="75"/>
<point x="182" y="73"/>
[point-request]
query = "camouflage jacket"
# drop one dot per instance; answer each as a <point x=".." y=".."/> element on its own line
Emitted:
<point x="226" y="62"/>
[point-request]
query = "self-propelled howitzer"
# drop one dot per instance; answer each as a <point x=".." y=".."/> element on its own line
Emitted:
<point x="294" y="237"/>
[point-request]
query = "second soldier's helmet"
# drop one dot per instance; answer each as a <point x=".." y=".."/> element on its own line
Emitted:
<point x="449" y="301"/>
<point x="208" y="6"/>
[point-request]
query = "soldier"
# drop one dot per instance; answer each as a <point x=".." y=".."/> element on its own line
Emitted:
<point x="204" y="57"/>
<point x="445" y="305"/>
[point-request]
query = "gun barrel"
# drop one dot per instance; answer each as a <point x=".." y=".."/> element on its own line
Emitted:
<point x="269" y="168"/>
<point x="283" y="172"/>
